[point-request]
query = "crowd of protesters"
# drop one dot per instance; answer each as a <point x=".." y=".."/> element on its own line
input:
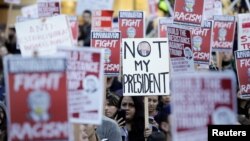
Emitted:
<point x="124" y="115"/>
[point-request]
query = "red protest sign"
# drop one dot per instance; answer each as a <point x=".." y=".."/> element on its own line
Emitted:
<point x="223" y="33"/>
<point x="110" y="41"/>
<point x="201" y="43"/>
<point x="243" y="72"/>
<point x="162" y="26"/>
<point x="34" y="86"/>
<point x="131" y="24"/>
<point x="188" y="12"/>
<point x="209" y="98"/>
<point x="102" y="20"/>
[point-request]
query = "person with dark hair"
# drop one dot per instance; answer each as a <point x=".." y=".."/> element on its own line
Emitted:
<point x="11" y="42"/>
<point x="112" y="105"/>
<point x="85" y="29"/>
<point x="134" y="127"/>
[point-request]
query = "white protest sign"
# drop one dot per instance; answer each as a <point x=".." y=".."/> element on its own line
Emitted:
<point x="145" y="66"/>
<point x="43" y="35"/>
<point x="30" y="11"/>
<point x="12" y="1"/>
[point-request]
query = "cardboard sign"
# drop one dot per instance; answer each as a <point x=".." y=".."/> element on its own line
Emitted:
<point x="111" y="42"/>
<point x="188" y="12"/>
<point x="30" y="11"/>
<point x="243" y="72"/>
<point x="73" y="22"/>
<point x="43" y="35"/>
<point x="12" y="1"/>
<point x="162" y="26"/>
<point x="47" y="8"/>
<point x="85" y="84"/>
<point x="223" y="33"/>
<point x="211" y="8"/>
<point x="37" y="98"/>
<point x="201" y="43"/>
<point x="93" y="5"/>
<point x="141" y="59"/>
<point x="180" y="49"/>
<point x="102" y="20"/>
<point x="131" y="24"/>
<point x="243" y="31"/>
<point x="202" y="99"/>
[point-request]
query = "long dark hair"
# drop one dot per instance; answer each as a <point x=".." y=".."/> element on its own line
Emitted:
<point x="137" y="123"/>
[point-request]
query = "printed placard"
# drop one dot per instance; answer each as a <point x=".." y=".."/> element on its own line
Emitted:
<point x="37" y="98"/>
<point x="209" y="98"/>
<point x="180" y="49"/>
<point x="244" y="31"/>
<point x="211" y="8"/>
<point x="141" y="59"/>
<point x="131" y="24"/>
<point x="43" y="36"/>
<point x="223" y="33"/>
<point x="201" y="43"/>
<point x="188" y="12"/>
<point x="162" y="26"/>
<point x="93" y="5"/>
<point x="12" y="1"/>
<point x="243" y="72"/>
<point x="102" y="20"/>
<point x="73" y="22"/>
<point x="85" y="84"/>
<point x="30" y="11"/>
<point x="111" y="42"/>
<point x="47" y="8"/>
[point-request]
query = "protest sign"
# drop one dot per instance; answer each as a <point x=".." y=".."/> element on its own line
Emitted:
<point x="111" y="42"/>
<point x="211" y="8"/>
<point x="153" y="8"/>
<point x="102" y="20"/>
<point x="243" y="72"/>
<point x="93" y="5"/>
<point x="243" y="31"/>
<point x="188" y="12"/>
<point x="145" y="66"/>
<point x="47" y="8"/>
<point x="74" y="26"/>
<point x="223" y="33"/>
<point x="12" y="1"/>
<point x="202" y="99"/>
<point x="85" y="84"/>
<point x="180" y="49"/>
<point x="132" y="24"/>
<point x="201" y="43"/>
<point x="162" y="26"/>
<point x="30" y="11"/>
<point x="37" y="98"/>
<point x="43" y="35"/>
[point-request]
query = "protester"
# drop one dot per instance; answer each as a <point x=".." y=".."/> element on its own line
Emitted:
<point x="85" y="29"/>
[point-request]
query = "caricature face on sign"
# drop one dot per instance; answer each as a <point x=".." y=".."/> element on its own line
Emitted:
<point x="39" y="103"/>
<point x="131" y="32"/>
<point x="107" y="55"/>
<point x="197" y="41"/>
<point x="223" y="116"/>
<point x="188" y="53"/>
<point x="144" y="49"/>
<point x="90" y="84"/>
<point x="189" y="4"/>
<point x="222" y="34"/>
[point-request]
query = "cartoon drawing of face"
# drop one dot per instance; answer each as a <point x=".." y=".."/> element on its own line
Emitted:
<point x="144" y="48"/>
<point x="107" y="55"/>
<point x="222" y="34"/>
<point x="188" y="53"/>
<point x="39" y="104"/>
<point x="189" y="4"/>
<point x="197" y="41"/>
<point x="131" y="32"/>
<point x="90" y="84"/>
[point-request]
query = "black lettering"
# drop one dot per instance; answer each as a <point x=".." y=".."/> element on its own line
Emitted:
<point x="159" y="46"/>
<point x="125" y="50"/>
